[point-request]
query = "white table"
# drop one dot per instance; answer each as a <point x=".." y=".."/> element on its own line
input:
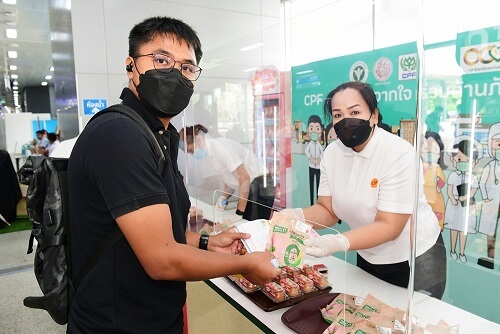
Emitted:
<point x="347" y="278"/>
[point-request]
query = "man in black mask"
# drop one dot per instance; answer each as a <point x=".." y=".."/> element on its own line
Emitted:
<point x="139" y="285"/>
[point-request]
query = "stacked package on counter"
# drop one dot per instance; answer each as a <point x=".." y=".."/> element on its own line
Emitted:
<point x="293" y="282"/>
<point x="355" y="315"/>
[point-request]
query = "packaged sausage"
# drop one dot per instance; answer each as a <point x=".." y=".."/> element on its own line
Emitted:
<point x="320" y="280"/>
<point x="244" y="284"/>
<point x="275" y="292"/>
<point x="291" y="271"/>
<point x="305" y="283"/>
<point x="340" y="303"/>
<point x="286" y="239"/>
<point x="292" y="289"/>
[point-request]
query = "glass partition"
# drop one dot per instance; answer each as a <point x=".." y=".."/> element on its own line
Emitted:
<point x="267" y="100"/>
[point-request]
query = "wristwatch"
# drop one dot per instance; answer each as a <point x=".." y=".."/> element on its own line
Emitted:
<point x="203" y="242"/>
<point x="239" y="213"/>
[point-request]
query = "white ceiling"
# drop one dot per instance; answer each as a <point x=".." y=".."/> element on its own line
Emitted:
<point x="34" y="54"/>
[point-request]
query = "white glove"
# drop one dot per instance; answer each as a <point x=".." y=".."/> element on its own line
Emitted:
<point x="221" y="203"/>
<point x="296" y="213"/>
<point x="231" y="218"/>
<point x="326" y="245"/>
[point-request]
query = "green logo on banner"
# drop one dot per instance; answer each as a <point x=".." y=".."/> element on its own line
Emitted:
<point x="359" y="71"/>
<point x="409" y="63"/>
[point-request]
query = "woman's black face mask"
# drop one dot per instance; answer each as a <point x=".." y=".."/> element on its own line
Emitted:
<point x="353" y="132"/>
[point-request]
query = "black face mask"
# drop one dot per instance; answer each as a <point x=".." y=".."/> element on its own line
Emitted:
<point x="353" y="132"/>
<point x="166" y="94"/>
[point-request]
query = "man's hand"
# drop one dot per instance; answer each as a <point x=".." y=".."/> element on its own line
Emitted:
<point x="228" y="242"/>
<point x="326" y="245"/>
<point x="260" y="268"/>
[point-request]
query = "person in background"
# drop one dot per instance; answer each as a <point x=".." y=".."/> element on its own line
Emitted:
<point x="54" y="142"/>
<point x="368" y="178"/>
<point x="139" y="285"/>
<point x="237" y="167"/>
<point x="41" y="143"/>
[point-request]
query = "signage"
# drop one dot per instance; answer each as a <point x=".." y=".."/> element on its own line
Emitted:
<point x="93" y="106"/>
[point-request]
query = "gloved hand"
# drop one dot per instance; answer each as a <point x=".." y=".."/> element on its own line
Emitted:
<point x="296" y="213"/>
<point x="326" y="245"/>
<point x="221" y="203"/>
<point x="231" y="218"/>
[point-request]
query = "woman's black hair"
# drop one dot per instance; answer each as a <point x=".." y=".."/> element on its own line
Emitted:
<point x="148" y="29"/>
<point x="364" y="89"/>
<point x="191" y="131"/>
<point x="439" y="141"/>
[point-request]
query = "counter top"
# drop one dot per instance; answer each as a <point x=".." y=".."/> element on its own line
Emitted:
<point x="347" y="278"/>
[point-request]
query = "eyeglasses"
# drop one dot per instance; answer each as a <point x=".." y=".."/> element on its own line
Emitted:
<point x="165" y="64"/>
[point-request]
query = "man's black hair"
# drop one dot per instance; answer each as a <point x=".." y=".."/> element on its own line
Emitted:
<point x="148" y="29"/>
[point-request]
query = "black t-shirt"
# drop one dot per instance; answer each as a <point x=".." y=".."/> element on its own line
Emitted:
<point x="112" y="171"/>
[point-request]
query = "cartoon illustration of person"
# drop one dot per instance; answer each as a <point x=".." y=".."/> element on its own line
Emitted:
<point x="460" y="213"/>
<point x="490" y="191"/>
<point x="434" y="179"/>
<point x="314" y="152"/>
<point x="330" y="134"/>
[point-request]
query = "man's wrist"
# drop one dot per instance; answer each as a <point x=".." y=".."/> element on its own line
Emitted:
<point x="239" y="213"/>
<point x="203" y="244"/>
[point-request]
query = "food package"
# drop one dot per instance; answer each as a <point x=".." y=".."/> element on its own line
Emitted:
<point x="292" y="289"/>
<point x="244" y="284"/>
<point x="286" y="239"/>
<point x="320" y="280"/>
<point x="337" y="305"/>
<point x="275" y="292"/>
<point x="305" y="283"/>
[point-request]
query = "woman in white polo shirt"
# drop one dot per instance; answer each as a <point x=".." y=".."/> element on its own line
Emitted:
<point x="368" y="180"/>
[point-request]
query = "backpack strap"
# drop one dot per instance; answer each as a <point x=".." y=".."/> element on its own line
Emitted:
<point x="106" y="244"/>
<point x="131" y="113"/>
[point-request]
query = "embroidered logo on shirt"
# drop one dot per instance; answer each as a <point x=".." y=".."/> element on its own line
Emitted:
<point x="374" y="183"/>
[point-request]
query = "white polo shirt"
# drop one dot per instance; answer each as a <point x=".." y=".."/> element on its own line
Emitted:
<point x="380" y="177"/>
<point x="225" y="155"/>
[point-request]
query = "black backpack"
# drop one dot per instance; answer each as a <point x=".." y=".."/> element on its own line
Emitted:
<point x="48" y="210"/>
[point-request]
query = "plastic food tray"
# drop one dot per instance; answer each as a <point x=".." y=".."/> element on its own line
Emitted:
<point x="305" y="318"/>
<point x="265" y="303"/>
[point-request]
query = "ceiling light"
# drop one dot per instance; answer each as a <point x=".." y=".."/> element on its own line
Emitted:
<point x="51" y="69"/>
<point x="251" y="47"/>
<point x="11" y="33"/>
<point x="13" y="67"/>
<point x="15" y="83"/>
<point x="48" y="77"/>
<point x="9" y="2"/>
<point x="14" y="76"/>
<point x="44" y="83"/>
<point x="12" y="54"/>
<point x="15" y="88"/>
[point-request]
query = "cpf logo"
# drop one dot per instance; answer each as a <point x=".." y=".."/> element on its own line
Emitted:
<point x="407" y="67"/>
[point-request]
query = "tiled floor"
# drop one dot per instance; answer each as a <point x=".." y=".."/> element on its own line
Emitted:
<point x="17" y="280"/>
